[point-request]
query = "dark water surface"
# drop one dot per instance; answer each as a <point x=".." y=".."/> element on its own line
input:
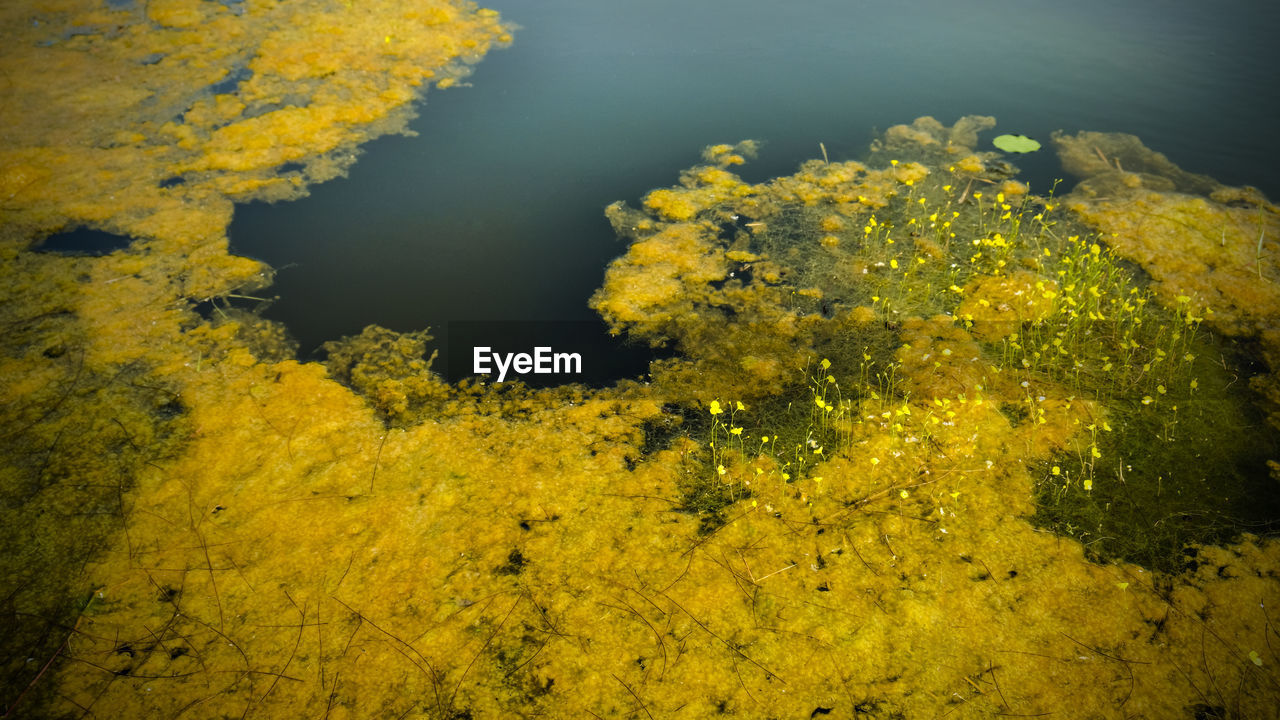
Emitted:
<point x="494" y="211"/>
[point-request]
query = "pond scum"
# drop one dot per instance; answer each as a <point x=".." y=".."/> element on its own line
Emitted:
<point x="934" y="443"/>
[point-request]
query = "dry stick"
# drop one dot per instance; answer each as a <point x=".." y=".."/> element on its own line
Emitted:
<point x="854" y="548"/>
<point x="429" y="671"/>
<point x="991" y="668"/>
<point x="17" y="701"/>
<point x="662" y="644"/>
<point x="333" y="694"/>
<point x="320" y="640"/>
<point x="1262" y="233"/>
<point x="212" y="581"/>
<point x="738" y="578"/>
<point x="867" y="500"/>
<point x="743" y="655"/>
<point x="302" y="624"/>
<point x="247" y="672"/>
<point x="524" y="664"/>
<point x="1204" y="658"/>
<point x="71" y="386"/>
<point x="1132" y="680"/>
<point x="742" y="683"/>
<point x="344" y="572"/>
<point x="484" y="647"/>
<point x="634" y="695"/>
<point x="377" y="460"/>
<point x="543" y="613"/>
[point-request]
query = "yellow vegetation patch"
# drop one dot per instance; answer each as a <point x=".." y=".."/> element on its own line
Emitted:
<point x="999" y="305"/>
<point x="285" y="539"/>
<point x="277" y="83"/>
<point x="1224" y="257"/>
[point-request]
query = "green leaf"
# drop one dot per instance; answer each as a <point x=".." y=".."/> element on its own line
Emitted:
<point x="1015" y="143"/>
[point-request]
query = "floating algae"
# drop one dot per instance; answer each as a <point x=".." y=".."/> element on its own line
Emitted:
<point x="1135" y="418"/>
<point x="279" y="545"/>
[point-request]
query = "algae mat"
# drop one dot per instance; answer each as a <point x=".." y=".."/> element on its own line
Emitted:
<point x="822" y="505"/>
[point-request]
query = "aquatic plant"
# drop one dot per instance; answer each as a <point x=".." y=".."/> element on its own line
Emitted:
<point x="1078" y="356"/>
<point x="1015" y="143"/>
<point x="272" y="542"/>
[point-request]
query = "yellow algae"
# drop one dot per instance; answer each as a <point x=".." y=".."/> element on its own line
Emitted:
<point x="178" y="13"/>
<point x="391" y="369"/>
<point x="1193" y="246"/>
<point x="1099" y="157"/>
<point x="999" y="305"/>
<point x="70" y="96"/>
<point x="650" y="285"/>
<point x="1013" y="188"/>
<point x="285" y="539"/>
<point x="926" y="130"/>
<point x="970" y="164"/>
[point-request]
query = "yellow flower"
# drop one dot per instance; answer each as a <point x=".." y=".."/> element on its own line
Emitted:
<point x="720" y="469"/>
<point x="735" y="431"/>
<point x="715" y="407"/>
<point x="1088" y="485"/>
<point x="739" y="405"/>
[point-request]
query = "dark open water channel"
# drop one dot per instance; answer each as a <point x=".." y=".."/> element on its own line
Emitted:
<point x="494" y="211"/>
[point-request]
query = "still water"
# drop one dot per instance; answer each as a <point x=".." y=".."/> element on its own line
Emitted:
<point x="494" y="210"/>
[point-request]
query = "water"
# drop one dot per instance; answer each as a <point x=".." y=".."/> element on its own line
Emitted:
<point x="494" y="212"/>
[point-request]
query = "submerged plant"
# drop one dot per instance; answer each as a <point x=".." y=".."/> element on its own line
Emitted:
<point x="1024" y="309"/>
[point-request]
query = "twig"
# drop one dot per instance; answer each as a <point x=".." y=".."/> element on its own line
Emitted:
<point x="991" y="668"/>
<point x="724" y="642"/>
<point x="377" y="459"/>
<point x="634" y="695"/>
<point x="18" y="700"/>
<point x="484" y="647"/>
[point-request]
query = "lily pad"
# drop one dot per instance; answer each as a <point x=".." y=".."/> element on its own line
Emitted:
<point x="1015" y="143"/>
